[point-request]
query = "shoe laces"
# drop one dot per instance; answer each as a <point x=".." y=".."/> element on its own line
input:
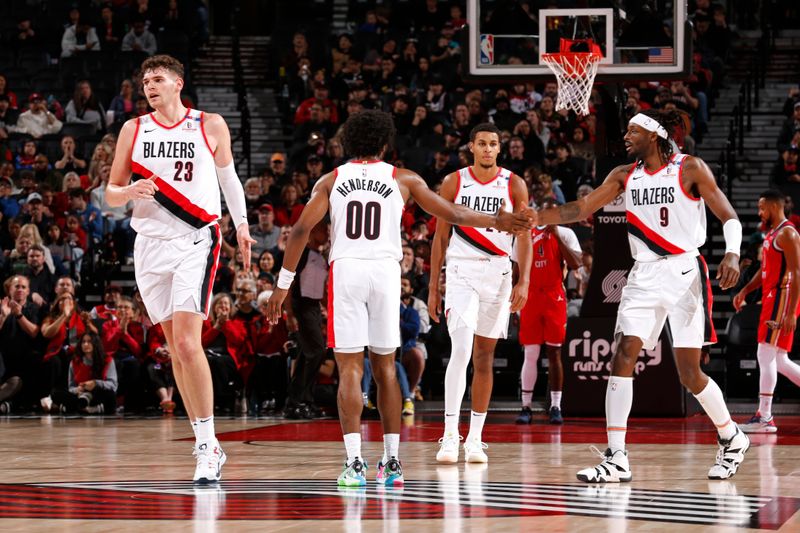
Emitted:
<point x="393" y="465"/>
<point x="603" y="455"/>
<point x="476" y="444"/>
<point x="450" y="440"/>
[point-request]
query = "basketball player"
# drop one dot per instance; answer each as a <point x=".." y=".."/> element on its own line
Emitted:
<point x="365" y="198"/>
<point x="665" y="195"/>
<point x="179" y="158"/>
<point x="543" y="320"/>
<point x="479" y="297"/>
<point x="777" y="277"/>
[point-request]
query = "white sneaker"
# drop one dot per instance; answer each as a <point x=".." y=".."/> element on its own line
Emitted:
<point x="47" y="403"/>
<point x="210" y="459"/>
<point x="730" y="455"/>
<point x="759" y="424"/>
<point x="448" y="448"/>
<point x="473" y="451"/>
<point x="613" y="469"/>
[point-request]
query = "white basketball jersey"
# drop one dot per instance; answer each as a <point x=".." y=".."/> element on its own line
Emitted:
<point x="475" y="243"/>
<point x="366" y="207"/>
<point x="179" y="160"/>
<point x="663" y="219"/>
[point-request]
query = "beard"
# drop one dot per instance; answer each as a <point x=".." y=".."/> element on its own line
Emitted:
<point x="484" y="165"/>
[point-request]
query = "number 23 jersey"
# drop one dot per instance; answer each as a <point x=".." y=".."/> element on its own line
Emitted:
<point x="366" y="209"/>
<point x="663" y="218"/>
<point x="179" y="160"/>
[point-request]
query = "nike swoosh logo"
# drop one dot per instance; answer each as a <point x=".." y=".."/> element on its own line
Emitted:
<point x="634" y="178"/>
<point x="468" y="185"/>
<point x="154" y="129"/>
<point x="197" y="242"/>
<point x="684" y="273"/>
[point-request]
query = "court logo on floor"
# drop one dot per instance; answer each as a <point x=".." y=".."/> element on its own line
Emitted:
<point x="304" y="499"/>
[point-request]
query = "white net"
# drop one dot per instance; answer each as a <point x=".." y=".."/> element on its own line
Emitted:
<point x="575" y="73"/>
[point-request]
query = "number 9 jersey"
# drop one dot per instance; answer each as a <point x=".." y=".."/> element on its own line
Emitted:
<point x="179" y="160"/>
<point x="663" y="219"/>
<point x="366" y="209"/>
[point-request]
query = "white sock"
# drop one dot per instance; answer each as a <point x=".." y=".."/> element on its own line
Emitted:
<point x="529" y="372"/>
<point x="619" y="398"/>
<point x="205" y="430"/>
<point x="476" y="426"/>
<point x="767" y="379"/>
<point x="555" y="398"/>
<point x="391" y="446"/>
<point x="352" y="443"/>
<point x="714" y="404"/>
<point x="455" y="377"/>
<point x="194" y="428"/>
<point x="787" y="367"/>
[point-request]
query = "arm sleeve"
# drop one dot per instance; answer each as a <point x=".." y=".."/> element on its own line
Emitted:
<point x="234" y="194"/>
<point x="570" y="239"/>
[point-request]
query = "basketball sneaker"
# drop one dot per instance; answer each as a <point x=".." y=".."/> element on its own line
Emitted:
<point x="391" y="473"/>
<point x="448" y="448"/>
<point x="613" y="469"/>
<point x="759" y="424"/>
<point x="730" y="455"/>
<point x="354" y="474"/>
<point x="408" y="407"/>
<point x="525" y="416"/>
<point x="555" y="416"/>
<point x="473" y="451"/>
<point x="210" y="458"/>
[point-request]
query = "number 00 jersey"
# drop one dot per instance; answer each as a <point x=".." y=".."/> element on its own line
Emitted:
<point x="663" y="219"/>
<point x="366" y="207"/>
<point x="179" y="160"/>
<point x="478" y="243"/>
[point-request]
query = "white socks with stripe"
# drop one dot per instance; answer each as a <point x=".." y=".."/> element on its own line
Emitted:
<point x="714" y="404"/>
<point x="619" y="398"/>
<point x="529" y="372"/>
<point x="455" y="377"/>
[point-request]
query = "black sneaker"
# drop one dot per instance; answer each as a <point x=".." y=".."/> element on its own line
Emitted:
<point x="525" y="416"/>
<point x="555" y="416"/>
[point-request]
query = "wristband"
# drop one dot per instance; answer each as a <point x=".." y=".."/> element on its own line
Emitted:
<point x="285" y="279"/>
<point x="732" y="229"/>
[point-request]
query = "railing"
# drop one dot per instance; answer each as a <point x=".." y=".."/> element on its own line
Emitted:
<point x="239" y="86"/>
<point x="742" y="114"/>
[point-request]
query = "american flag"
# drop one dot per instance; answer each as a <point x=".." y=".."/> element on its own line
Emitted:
<point x="660" y="55"/>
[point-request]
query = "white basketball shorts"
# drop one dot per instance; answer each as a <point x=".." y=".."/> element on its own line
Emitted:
<point x="177" y="274"/>
<point x="364" y="305"/>
<point x="477" y="296"/>
<point x="677" y="288"/>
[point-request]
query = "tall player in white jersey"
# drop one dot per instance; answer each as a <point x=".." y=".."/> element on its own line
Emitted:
<point x="178" y="159"/>
<point x="665" y="197"/>
<point x="478" y="296"/>
<point x="365" y="198"/>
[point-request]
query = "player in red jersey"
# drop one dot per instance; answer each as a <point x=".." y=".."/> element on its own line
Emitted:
<point x="543" y="320"/>
<point x="778" y="279"/>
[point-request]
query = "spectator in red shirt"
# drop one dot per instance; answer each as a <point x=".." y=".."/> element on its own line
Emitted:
<point x="123" y="339"/>
<point x="266" y="388"/>
<point x="226" y="343"/>
<point x="303" y="113"/>
<point x="289" y="211"/>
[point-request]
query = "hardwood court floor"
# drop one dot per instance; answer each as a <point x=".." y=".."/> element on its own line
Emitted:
<point x="111" y="474"/>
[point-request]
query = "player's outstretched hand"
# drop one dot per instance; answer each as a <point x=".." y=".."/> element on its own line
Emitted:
<point x="788" y="324"/>
<point x="275" y="305"/>
<point x="738" y="301"/>
<point x="245" y="242"/>
<point x="142" y="189"/>
<point x="519" y="296"/>
<point x="728" y="273"/>
<point x="514" y="222"/>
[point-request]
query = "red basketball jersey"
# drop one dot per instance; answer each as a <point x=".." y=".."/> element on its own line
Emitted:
<point x="774" y="274"/>
<point x="547" y="266"/>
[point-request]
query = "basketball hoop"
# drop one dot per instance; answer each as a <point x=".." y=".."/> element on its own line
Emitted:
<point x="575" y="72"/>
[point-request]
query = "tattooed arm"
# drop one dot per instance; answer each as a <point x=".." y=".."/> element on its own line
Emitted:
<point x="578" y="210"/>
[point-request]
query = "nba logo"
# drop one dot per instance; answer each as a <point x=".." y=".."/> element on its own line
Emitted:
<point x="487" y="49"/>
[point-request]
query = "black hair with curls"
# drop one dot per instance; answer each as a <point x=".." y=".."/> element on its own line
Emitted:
<point x="367" y="133"/>
<point x="669" y="120"/>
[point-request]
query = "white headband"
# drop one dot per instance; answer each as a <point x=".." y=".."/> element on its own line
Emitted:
<point x="649" y="124"/>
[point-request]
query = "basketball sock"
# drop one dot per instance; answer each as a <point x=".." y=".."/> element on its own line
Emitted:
<point x="194" y="428"/>
<point x="714" y="404"/>
<point x="787" y="367"/>
<point x="768" y="378"/>
<point x="352" y="443"/>
<point x="529" y="372"/>
<point x="619" y="398"/>
<point x="391" y="446"/>
<point x="555" y="399"/>
<point x="455" y="377"/>
<point x="205" y="430"/>
<point x="476" y="426"/>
